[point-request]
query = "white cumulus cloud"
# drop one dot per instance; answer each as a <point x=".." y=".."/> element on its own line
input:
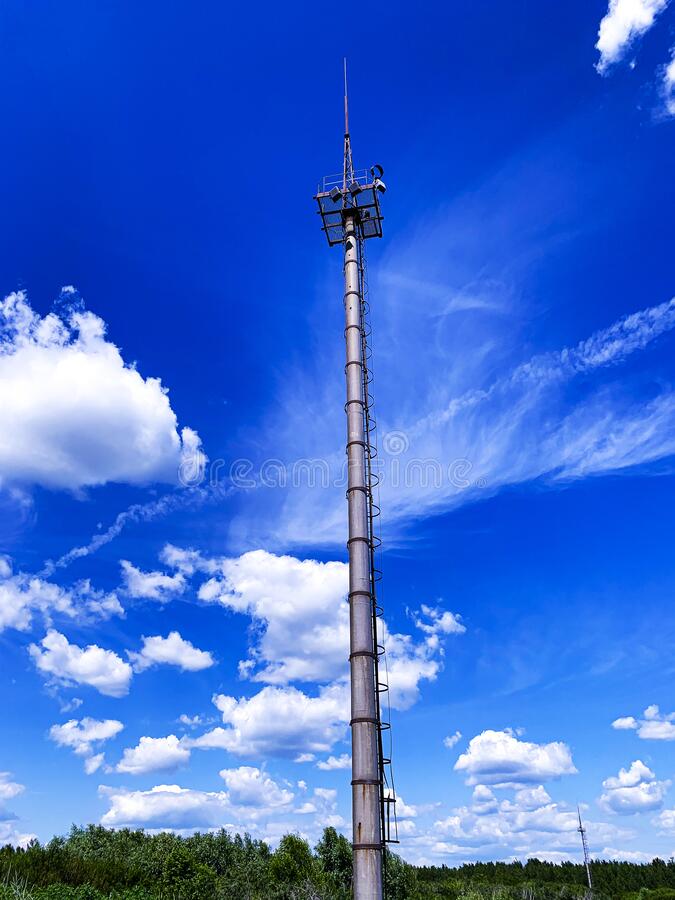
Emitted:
<point x="439" y="621"/>
<point x="632" y="856"/>
<point x="22" y="596"/>
<point x="151" y="585"/>
<point x="153" y="755"/>
<point x="8" y="831"/>
<point x="403" y="810"/>
<point x="344" y="761"/>
<point x="279" y="722"/>
<point x="9" y="834"/>
<point x="69" y="664"/>
<point x="527" y="824"/>
<point x="500" y="758"/>
<point x="187" y="562"/>
<point x="249" y="786"/>
<point x="452" y="739"/>
<point x="665" y="821"/>
<point x="301" y="614"/>
<point x="172" y="650"/>
<point x="633" y="790"/>
<point x="624" y="22"/>
<point x="483" y="800"/>
<point x="166" y="806"/>
<point x="83" y="735"/>
<point x="93" y="763"/>
<point x="8" y="788"/>
<point x="625" y="723"/>
<point x="73" y="413"/>
<point x="652" y="726"/>
<point x="251" y="796"/>
<point x="301" y="606"/>
<point x="190" y="721"/>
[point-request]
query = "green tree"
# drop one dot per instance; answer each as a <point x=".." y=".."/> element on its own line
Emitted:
<point x="335" y="858"/>
<point x="292" y="865"/>
<point x="185" y="879"/>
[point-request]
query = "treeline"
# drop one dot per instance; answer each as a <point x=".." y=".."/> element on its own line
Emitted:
<point x="95" y="863"/>
<point x="621" y="880"/>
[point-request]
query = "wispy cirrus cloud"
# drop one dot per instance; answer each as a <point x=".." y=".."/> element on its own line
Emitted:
<point x="668" y="85"/>
<point x="525" y="425"/>
<point x="466" y="402"/>
<point x="179" y="500"/>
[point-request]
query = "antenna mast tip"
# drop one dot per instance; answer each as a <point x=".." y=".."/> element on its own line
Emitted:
<point x="346" y="103"/>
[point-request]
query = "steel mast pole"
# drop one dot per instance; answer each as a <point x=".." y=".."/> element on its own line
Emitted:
<point x="367" y="836"/>
<point x="350" y="213"/>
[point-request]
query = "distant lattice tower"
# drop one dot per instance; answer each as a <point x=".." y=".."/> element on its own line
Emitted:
<point x="587" y="858"/>
<point x="349" y="206"/>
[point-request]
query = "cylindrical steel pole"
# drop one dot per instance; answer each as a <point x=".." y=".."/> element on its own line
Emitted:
<point x="367" y="837"/>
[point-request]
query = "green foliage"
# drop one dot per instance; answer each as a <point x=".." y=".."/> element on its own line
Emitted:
<point x="658" y="894"/>
<point x="400" y="878"/>
<point x="547" y="881"/>
<point x="183" y="878"/>
<point x="57" y="863"/>
<point x="97" y="864"/>
<point x="294" y="870"/>
<point x="334" y="853"/>
<point x="292" y="863"/>
<point x="16" y="889"/>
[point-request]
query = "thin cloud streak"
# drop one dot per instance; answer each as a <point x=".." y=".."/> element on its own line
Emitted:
<point x="607" y="347"/>
<point x="520" y="428"/>
<point x="140" y="512"/>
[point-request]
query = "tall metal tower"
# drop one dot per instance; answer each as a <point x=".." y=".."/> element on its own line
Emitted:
<point x="349" y="206"/>
<point x="587" y="858"/>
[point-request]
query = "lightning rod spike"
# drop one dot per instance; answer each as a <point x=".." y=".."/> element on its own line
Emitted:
<point x="346" y="101"/>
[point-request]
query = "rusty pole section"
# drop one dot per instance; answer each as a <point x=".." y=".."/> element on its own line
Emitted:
<point x="367" y="836"/>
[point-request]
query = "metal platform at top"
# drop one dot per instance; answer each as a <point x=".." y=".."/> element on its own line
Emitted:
<point x="362" y="176"/>
<point x="357" y="196"/>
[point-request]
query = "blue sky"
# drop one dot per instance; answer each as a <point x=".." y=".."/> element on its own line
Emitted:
<point x="172" y="522"/>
